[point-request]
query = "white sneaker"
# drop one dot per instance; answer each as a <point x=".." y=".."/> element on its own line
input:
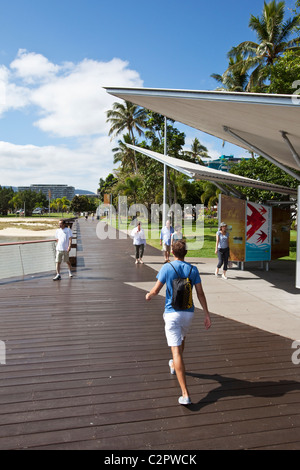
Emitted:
<point x="223" y="276"/>
<point x="172" y="370"/>
<point x="184" y="401"/>
<point x="57" y="277"/>
<point x="70" y="274"/>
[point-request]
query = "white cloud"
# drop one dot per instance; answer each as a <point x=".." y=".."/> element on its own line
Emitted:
<point x="81" y="167"/>
<point x="70" y="97"/>
<point x="31" y="66"/>
<point x="12" y="96"/>
<point x="71" y="105"/>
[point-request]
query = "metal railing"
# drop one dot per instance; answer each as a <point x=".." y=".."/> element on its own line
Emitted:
<point x="28" y="257"/>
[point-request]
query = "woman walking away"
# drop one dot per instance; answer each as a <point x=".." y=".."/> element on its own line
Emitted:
<point x="222" y="249"/>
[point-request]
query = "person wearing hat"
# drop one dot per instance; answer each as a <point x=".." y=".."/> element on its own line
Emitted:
<point x="222" y="249"/>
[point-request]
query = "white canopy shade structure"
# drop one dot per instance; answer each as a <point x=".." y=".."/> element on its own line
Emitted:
<point x="200" y="172"/>
<point x="265" y="124"/>
<point x="268" y="125"/>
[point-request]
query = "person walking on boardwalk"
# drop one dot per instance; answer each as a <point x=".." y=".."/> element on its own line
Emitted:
<point x="222" y="249"/>
<point x="177" y="235"/>
<point x="64" y="241"/>
<point x="165" y="239"/>
<point x="178" y="322"/>
<point x="139" y="240"/>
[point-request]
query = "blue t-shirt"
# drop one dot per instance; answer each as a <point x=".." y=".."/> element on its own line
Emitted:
<point x="167" y="274"/>
<point x="165" y="235"/>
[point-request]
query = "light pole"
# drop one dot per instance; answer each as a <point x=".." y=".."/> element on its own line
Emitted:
<point x="165" y="179"/>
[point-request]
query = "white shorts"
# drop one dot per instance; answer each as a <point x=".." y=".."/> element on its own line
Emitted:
<point x="62" y="256"/>
<point x="177" y="325"/>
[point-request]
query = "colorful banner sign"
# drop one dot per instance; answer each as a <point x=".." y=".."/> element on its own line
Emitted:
<point x="258" y="232"/>
<point x="233" y="214"/>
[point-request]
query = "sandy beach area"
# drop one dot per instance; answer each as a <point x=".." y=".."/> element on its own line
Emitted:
<point x="27" y="227"/>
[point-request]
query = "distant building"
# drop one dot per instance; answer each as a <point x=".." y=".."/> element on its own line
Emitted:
<point x="83" y="192"/>
<point x="224" y="163"/>
<point x="56" y="190"/>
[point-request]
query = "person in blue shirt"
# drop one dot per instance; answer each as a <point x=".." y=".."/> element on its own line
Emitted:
<point x="177" y="323"/>
<point x="165" y="239"/>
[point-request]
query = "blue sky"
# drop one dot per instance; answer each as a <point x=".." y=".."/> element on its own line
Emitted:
<point x="56" y="56"/>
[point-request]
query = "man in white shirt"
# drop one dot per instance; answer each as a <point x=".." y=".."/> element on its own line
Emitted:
<point x="165" y="239"/>
<point x="64" y="241"/>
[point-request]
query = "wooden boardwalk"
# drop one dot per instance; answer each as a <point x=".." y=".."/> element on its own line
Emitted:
<point x="87" y="367"/>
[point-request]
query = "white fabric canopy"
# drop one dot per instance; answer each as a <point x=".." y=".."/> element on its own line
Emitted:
<point x="200" y="172"/>
<point x="244" y="119"/>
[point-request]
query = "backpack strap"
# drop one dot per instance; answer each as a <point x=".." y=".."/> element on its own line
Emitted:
<point x="174" y="269"/>
<point x="190" y="272"/>
<point x="175" y="272"/>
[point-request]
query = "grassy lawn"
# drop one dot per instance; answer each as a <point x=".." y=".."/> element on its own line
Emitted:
<point x="293" y="246"/>
<point x="205" y="248"/>
<point x="198" y="248"/>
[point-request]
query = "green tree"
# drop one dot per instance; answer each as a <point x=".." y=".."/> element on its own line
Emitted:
<point x="210" y="194"/>
<point x="63" y="204"/>
<point x="31" y="199"/>
<point x="80" y="204"/>
<point x="126" y="116"/>
<point x="284" y="74"/>
<point x="16" y="201"/>
<point x="236" y="78"/>
<point x="105" y="186"/>
<point x="130" y="188"/>
<point x="197" y="152"/>
<point x="6" y="195"/>
<point x="274" y="36"/>
<point x="125" y="155"/>
<point x="152" y="171"/>
<point x="261" y="169"/>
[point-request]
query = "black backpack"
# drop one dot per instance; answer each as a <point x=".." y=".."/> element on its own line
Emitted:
<point x="182" y="298"/>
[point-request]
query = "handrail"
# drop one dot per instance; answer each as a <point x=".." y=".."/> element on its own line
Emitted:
<point x="27" y="242"/>
<point x="31" y="256"/>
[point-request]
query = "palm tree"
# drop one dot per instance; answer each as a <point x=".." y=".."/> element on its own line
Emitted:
<point x="130" y="187"/>
<point x="273" y="35"/>
<point x="124" y="154"/>
<point x="126" y="116"/>
<point x="210" y="194"/>
<point x="16" y="201"/>
<point x="197" y="152"/>
<point x="180" y="184"/>
<point x="62" y="204"/>
<point x="236" y="79"/>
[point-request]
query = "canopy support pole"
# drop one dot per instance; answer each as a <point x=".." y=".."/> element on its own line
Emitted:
<point x="164" y="215"/>
<point x="292" y="149"/>
<point x="227" y="190"/>
<point x="262" y="153"/>
<point x="221" y="187"/>
<point x="298" y="243"/>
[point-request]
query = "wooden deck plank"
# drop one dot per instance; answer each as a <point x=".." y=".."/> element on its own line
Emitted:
<point x="87" y="366"/>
